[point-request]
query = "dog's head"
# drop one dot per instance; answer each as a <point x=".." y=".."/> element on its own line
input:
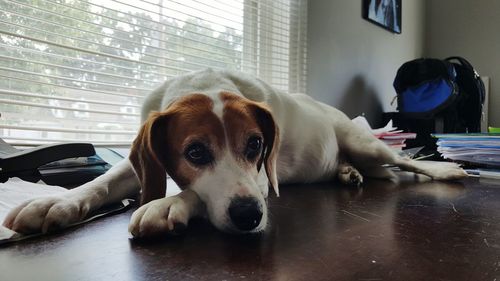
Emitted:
<point x="226" y="154"/>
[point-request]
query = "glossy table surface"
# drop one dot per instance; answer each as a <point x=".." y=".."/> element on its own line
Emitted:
<point x="384" y="231"/>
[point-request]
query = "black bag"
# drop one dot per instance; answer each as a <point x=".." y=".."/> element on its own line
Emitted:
<point x="472" y="94"/>
<point x="425" y="87"/>
<point x="448" y="91"/>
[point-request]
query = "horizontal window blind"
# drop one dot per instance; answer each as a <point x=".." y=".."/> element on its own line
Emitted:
<point x="78" y="70"/>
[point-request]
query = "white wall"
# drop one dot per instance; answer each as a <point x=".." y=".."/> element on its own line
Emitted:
<point x="470" y="29"/>
<point x="352" y="62"/>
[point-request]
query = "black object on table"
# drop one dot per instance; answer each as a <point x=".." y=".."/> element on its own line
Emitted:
<point x="25" y="163"/>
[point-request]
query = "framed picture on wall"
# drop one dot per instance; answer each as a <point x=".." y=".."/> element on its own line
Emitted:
<point x="384" y="13"/>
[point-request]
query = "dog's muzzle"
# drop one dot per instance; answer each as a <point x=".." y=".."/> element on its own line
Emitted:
<point x="245" y="213"/>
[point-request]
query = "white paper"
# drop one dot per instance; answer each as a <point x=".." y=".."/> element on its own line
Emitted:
<point x="363" y="123"/>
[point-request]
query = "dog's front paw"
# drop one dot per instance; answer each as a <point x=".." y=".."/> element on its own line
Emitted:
<point x="349" y="175"/>
<point x="163" y="216"/>
<point x="45" y="214"/>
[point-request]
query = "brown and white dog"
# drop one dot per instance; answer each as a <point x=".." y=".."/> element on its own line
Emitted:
<point x="224" y="138"/>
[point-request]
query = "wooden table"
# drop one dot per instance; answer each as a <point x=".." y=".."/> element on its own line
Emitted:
<point x="385" y="231"/>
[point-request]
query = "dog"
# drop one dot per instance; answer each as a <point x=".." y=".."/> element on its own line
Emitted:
<point x="226" y="139"/>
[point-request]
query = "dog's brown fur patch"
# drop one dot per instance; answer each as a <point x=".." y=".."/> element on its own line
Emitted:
<point x="240" y="124"/>
<point x="161" y="142"/>
<point x="192" y="119"/>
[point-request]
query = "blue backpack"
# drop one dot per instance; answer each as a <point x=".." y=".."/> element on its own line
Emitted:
<point x="449" y="89"/>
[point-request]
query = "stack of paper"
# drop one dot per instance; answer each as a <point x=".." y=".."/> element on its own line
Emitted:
<point x="388" y="134"/>
<point x="396" y="139"/>
<point x="481" y="149"/>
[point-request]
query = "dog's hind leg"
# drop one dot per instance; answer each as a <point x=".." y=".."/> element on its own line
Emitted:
<point x="366" y="152"/>
<point x="378" y="172"/>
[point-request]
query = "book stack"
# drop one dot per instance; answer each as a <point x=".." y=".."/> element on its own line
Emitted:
<point x="390" y="135"/>
<point x="479" y="149"/>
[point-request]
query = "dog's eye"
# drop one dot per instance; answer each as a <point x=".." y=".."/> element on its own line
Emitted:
<point x="254" y="145"/>
<point x="198" y="154"/>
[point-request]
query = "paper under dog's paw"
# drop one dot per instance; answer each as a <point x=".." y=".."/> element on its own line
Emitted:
<point x="44" y="215"/>
<point x="163" y="216"/>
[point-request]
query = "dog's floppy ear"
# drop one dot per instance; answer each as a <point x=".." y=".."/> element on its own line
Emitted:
<point x="270" y="131"/>
<point x="148" y="156"/>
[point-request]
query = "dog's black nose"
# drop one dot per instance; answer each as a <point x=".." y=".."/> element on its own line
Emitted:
<point x="245" y="213"/>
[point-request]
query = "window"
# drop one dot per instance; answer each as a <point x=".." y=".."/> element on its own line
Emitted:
<point x="78" y="70"/>
<point x="82" y="111"/>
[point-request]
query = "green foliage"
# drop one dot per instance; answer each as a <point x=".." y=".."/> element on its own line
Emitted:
<point x="152" y="47"/>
